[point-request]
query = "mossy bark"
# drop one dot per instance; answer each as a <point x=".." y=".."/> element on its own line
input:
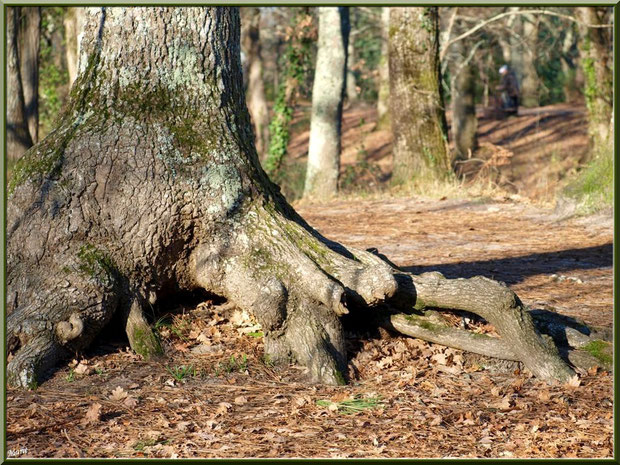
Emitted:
<point x="150" y="185"/>
<point x="596" y="60"/>
<point x="416" y="102"/>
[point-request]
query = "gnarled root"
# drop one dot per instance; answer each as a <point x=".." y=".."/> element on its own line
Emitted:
<point x="519" y="339"/>
<point x="54" y="324"/>
<point x="296" y="284"/>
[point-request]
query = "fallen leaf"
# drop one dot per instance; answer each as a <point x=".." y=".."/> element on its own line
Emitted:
<point x="93" y="414"/>
<point x="240" y="400"/>
<point x="223" y="408"/>
<point x="82" y="369"/>
<point x="574" y="381"/>
<point x="118" y="394"/>
<point x="130" y="402"/>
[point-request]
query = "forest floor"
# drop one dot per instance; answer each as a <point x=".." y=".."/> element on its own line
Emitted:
<point x="214" y="394"/>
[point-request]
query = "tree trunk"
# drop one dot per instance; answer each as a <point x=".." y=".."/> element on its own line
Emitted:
<point x="255" y="96"/>
<point x="74" y="23"/>
<point x="18" y="138"/>
<point x="328" y="93"/>
<point x="150" y="184"/>
<point x="464" y="121"/>
<point x="352" y="93"/>
<point x="571" y="89"/>
<point x="383" y="100"/>
<point x="29" y="66"/>
<point x="529" y="80"/>
<point x="596" y="60"/>
<point x="416" y="102"/>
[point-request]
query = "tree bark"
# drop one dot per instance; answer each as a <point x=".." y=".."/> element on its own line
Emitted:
<point x="352" y="93"/>
<point x="416" y="101"/>
<point x="255" y="96"/>
<point x="74" y="23"/>
<point x="17" y="132"/>
<point x="464" y="121"/>
<point x="150" y="184"/>
<point x="327" y="96"/>
<point x="529" y="80"/>
<point x="596" y="60"/>
<point x="29" y="66"/>
<point x="383" y="100"/>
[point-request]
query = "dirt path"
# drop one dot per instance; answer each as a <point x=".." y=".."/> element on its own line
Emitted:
<point x="413" y="399"/>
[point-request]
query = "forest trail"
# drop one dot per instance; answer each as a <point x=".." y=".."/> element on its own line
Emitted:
<point x="528" y="154"/>
<point x="214" y="395"/>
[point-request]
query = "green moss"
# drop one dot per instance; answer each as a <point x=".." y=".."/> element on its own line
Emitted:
<point x="601" y="350"/>
<point x="423" y="323"/>
<point x="96" y="264"/>
<point x="340" y="378"/>
<point x="145" y="343"/>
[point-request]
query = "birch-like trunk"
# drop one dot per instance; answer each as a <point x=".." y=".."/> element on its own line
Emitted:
<point x="74" y="24"/>
<point x="327" y="97"/>
<point x="383" y="99"/>
<point x="257" y="103"/>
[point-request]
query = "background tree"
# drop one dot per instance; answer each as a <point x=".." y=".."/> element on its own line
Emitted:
<point x="595" y="49"/>
<point x="30" y="40"/>
<point x="416" y="104"/>
<point x="327" y="97"/>
<point x="17" y="132"/>
<point x="298" y="40"/>
<point x="464" y="120"/>
<point x="383" y="98"/>
<point x="74" y="23"/>
<point x="255" y="94"/>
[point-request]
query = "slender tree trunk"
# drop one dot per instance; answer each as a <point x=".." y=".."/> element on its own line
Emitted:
<point x="352" y="93"/>
<point x="530" y="82"/>
<point x="255" y="95"/>
<point x="416" y="102"/>
<point x="327" y="97"/>
<point x="74" y="24"/>
<point x="29" y="67"/>
<point x="464" y="121"/>
<point x="383" y="101"/>
<point x="596" y="60"/>
<point x="17" y="132"/>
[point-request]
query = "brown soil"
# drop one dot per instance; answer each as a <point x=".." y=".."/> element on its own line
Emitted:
<point x="422" y="400"/>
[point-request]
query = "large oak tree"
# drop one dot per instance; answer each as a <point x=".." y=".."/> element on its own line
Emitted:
<point x="150" y="184"/>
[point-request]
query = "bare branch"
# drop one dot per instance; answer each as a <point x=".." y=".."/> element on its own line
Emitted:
<point x="512" y="13"/>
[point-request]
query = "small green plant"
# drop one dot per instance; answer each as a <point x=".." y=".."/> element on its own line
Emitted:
<point x="179" y="373"/>
<point x="99" y="371"/>
<point x="232" y="365"/>
<point x="354" y="405"/>
<point x="256" y="334"/>
<point x="71" y="376"/>
<point x="267" y="361"/>
<point x="140" y="445"/>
